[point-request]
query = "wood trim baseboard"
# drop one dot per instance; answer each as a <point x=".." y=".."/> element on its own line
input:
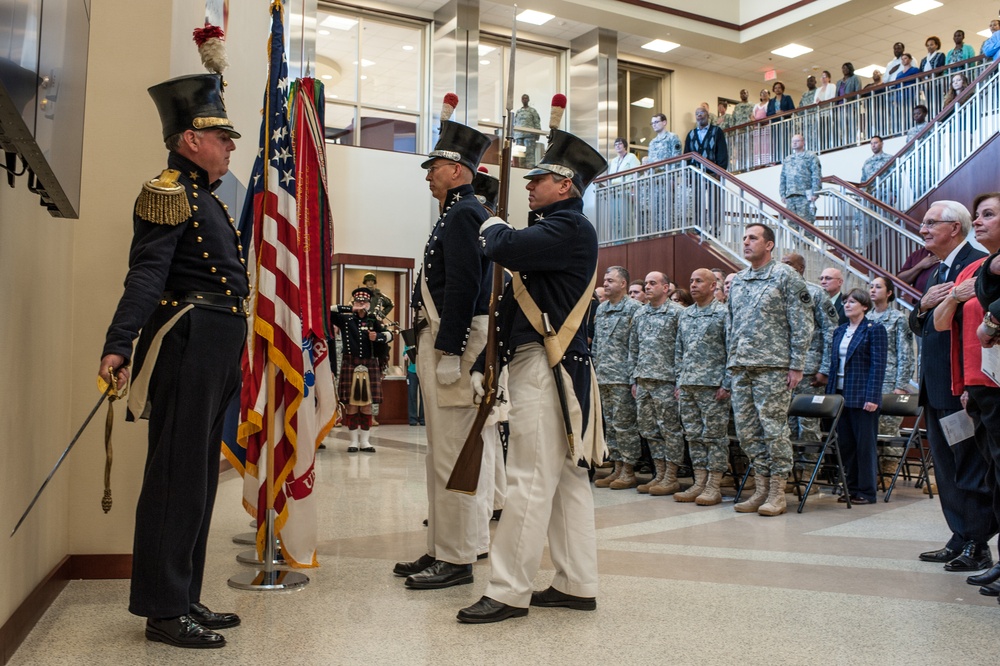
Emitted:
<point x="72" y="567"/>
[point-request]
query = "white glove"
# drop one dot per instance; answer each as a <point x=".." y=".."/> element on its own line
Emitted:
<point x="449" y="369"/>
<point x="478" y="389"/>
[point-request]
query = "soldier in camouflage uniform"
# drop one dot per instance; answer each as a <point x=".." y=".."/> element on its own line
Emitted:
<point x="651" y="364"/>
<point x="769" y="332"/>
<point x="612" y="325"/>
<point x="800" y="180"/>
<point x="703" y="388"/>
<point x="899" y="361"/>
<point x="824" y="318"/>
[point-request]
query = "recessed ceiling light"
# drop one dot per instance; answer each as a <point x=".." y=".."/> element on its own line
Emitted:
<point x="660" y="46"/>
<point x="645" y="103"/>
<point x="407" y="47"/>
<point x="484" y="120"/>
<point x="400" y="106"/>
<point x="364" y="63"/>
<point x="338" y="22"/>
<point x="869" y="70"/>
<point x="326" y="77"/>
<point x="485" y="50"/>
<point x="792" y="51"/>
<point x="323" y="32"/>
<point x="985" y="33"/>
<point x="918" y="6"/>
<point x="364" y="78"/>
<point x="484" y="62"/>
<point x="534" y="18"/>
<point x="331" y="97"/>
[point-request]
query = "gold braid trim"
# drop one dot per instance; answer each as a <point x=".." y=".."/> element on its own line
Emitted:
<point x="163" y="200"/>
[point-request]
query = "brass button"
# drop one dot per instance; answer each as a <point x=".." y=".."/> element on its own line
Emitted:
<point x="242" y="260"/>
<point x="194" y="194"/>
<point x="204" y="255"/>
<point x="238" y="233"/>
<point x="239" y="247"/>
<point x="223" y="278"/>
<point x="194" y="186"/>
<point x="163" y="302"/>
<point x="194" y="207"/>
<point x="234" y="309"/>
<point x="225" y="207"/>
<point x="199" y="239"/>
<point x="229" y="292"/>
<point x="173" y="303"/>
<point x="195" y="224"/>
<point x="213" y="269"/>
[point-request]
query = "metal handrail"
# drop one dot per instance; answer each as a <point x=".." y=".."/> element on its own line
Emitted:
<point x="690" y="194"/>
<point x="942" y="147"/>
<point x="859" y="190"/>
<point x="884" y="110"/>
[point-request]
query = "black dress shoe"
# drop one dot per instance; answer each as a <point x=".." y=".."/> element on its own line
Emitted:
<point x="211" y="620"/>
<point x="553" y="598"/>
<point x="440" y="574"/>
<point x="986" y="577"/>
<point x="182" y="632"/>
<point x="991" y="590"/>
<point x="487" y="610"/>
<point x="974" y="557"/>
<point x="409" y="568"/>
<point x="942" y="555"/>
<point x="496" y="515"/>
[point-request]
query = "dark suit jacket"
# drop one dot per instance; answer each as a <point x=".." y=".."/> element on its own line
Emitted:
<point x="937" y="60"/>
<point x="935" y="350"/>
<point x="864" y="371"/>
<point x="787" y="104"/>
<point x="839" y="304"/>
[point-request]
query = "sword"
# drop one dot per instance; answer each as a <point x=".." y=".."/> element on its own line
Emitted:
<point x="560" y="387"/>
<point x="108" y="391"/>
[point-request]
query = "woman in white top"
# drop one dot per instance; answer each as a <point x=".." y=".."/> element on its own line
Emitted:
<point x="826" y="89"/>
<point x="624" y="159"/>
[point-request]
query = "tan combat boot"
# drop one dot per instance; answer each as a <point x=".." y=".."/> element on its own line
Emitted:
<point x="775" y="505"/>
<point x="700" y="476"/>
<point x="711" y="495"/>
<point x="606" y="481"/>
<point x="661" y="470"/>
<point x="759" y="495"/>
<point x="626" y="479"/>
<point x="669" y="485"/>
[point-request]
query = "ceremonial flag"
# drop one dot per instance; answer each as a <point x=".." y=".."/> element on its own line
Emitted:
<point x="275" y="336"/>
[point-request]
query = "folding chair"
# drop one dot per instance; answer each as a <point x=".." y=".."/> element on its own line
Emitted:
<point x="828" y="409"/>
<point x="906" y="405"/>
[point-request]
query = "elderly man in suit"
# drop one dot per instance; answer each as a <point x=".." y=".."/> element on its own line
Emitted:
<point x="961" y="475"/>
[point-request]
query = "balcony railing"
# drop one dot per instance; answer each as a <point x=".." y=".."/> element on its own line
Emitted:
<point x="954" y="136"/>
<point x="885" y="110"/>
<point x="689" y="195"/>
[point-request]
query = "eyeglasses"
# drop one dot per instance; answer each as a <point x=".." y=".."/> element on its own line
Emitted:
<point x="657" y="122"/>
<point x="932" y="223"/>
<point x="431" y="168"/>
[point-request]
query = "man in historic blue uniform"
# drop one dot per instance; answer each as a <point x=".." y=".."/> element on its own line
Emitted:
<point x="554" y="262"/>
<point x="451" y="296"/>
<point x="185" y="290"/>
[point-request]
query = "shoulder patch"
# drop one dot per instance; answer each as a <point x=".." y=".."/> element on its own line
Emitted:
<point x="805" y="297"/>
<point x="163" y="200"/>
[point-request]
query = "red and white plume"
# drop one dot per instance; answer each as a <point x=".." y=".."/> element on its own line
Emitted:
<point x="212" y="47"/>
<point x="558" y="109"/>
<point x="448" y="108"/>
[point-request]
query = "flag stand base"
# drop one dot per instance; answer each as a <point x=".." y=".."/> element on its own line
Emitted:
<point x="268" y="578"/>
<point x="245" y="539"/>
<point x="250" y="557"/>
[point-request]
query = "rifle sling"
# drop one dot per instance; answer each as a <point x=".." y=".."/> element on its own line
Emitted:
<point x="555" y="345"/>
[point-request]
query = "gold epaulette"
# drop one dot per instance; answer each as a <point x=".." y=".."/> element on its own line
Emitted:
<point x="163" y="200"/>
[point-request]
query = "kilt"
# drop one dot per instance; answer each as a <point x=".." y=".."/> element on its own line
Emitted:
<point x="347" y="365"/>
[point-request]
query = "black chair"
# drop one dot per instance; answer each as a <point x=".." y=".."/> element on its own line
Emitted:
<point x="828" y="409"/>
<point x="914" y="438"/>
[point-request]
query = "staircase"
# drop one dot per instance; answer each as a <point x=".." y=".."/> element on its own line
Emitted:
<point x="690" y="195"/>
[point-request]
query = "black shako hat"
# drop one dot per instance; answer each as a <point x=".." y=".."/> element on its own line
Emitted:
<point x="459" y="143"/>
<point x="487" y="189"/>
<point x="362" y="295"/>
<point x="570" y="157"/>
<point x="191" y="102"/>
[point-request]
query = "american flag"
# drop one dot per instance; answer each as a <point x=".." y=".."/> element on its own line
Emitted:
<point x="275" y="336"/>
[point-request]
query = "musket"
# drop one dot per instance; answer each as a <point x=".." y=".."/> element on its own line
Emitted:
<point x="465" y="475"/>
<point x="108" y="391"/>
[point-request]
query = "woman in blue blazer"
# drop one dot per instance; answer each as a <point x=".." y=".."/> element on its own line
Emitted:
<point x="857" y="369"/>
<point x="780" y="102"/>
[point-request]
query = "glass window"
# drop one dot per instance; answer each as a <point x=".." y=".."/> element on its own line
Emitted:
<point x="537" y="75"/>
<point x="642" y="92"/>
<point x="373" y="70"/>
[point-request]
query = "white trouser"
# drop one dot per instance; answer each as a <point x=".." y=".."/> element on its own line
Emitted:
<point x="452" y="518"/>
<point x="484" y="491"/>
<point x="547" y="493"/>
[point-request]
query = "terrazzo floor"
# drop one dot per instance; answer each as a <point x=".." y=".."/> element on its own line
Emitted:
<point x="679" y="584"/>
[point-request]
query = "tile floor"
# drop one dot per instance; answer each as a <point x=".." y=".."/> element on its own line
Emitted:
<point x="679" y="584"/>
